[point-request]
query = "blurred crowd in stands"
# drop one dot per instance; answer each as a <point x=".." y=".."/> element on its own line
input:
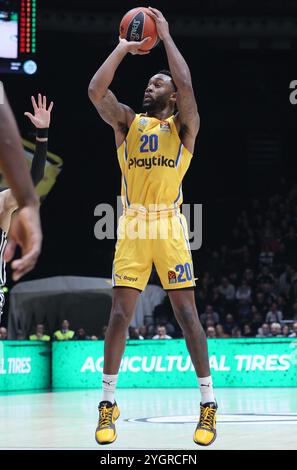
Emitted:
<point x="247" y="287"/>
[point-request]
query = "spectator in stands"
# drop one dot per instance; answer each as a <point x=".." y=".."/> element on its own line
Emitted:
<point x="162" y="318"/>
<point x="64" y="333"/>
<point x="81" y="335"/>
<point x="134" y="333"/>
<point x="103" y="332"/>
<point x="294" y="331"/>
<point x="205" y="284"/>
<point x="266" y="257"/>
<point x="276" y="330"/>
<point x="274" y="315"/>
<point x="243" y="292"/>
<point x="256" y="319"/>
<point x="286" y="331"/>
<point x="286" y="279"/>
<point x="39" y="334"/>
<point x="3" y="333"/>
<point x="227" y="289"/>
<point x="220" y="332"/>
<point x="294" y="311"/>
<point x="270" y="292"/>
<point x="217" y="300"/>
<point x="236" y="332"/>
<point x="247" y="331"/>
<point x="201" y="300"/>
<point x="210" y="332"/>
<point x="229" y="323"/>
<point x="233" y="277"/>
<point x="260" y="303"/>
<point x="293" y="291"/>
<point x="161" y="333"/>
<point x="244" y="311"/>
<point x="209" y="314"/>
<point x="143" y="331"/>
<point x="249" y="277"/>
<point x="264" y="331"/>
<point x="208" y="323"/>
<point x="265" y="275"/>
<point x="284" y="305"/>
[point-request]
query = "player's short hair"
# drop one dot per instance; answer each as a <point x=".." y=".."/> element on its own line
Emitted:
<point x="168" y="73"/>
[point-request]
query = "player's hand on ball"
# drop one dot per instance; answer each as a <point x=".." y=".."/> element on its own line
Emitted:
<point x="134" y="47"/>
<point x="161" y="23"/>
<point x="42" y="116"/>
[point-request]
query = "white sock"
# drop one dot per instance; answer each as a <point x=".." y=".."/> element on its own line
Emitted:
<point x="109" y="383"/>
<point x="206" y="389"/>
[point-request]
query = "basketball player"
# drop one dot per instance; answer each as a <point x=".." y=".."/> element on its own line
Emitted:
<point x="8" y="203"/>
<point x="25" y="229"/>
<point x="154" y="151"/>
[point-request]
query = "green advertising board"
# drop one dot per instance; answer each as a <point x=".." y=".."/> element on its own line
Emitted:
<point x="166" y="363"/>
<point x="25" y="365"/>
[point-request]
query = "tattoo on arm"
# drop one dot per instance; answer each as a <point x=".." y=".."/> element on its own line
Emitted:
<point x="113" y="112"/>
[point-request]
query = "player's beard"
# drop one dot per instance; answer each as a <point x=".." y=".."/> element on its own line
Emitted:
<point x="153" y="106"/>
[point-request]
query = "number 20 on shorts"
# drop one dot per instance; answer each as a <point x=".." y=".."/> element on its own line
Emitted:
<point x="184" y="271"/>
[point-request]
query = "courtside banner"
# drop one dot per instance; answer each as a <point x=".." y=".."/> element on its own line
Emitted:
<point x="25" y="365"/>
<point x="166" y="363"/>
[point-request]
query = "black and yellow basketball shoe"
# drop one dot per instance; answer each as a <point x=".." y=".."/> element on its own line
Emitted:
<point x="206" y="432"/>
<point x="108" y="414"/>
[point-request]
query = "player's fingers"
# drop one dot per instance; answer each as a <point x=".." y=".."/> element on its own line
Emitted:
<point x="39" y="100"/>
<point x="35" y="107"/>
<point x="143" y="52"/>
<point x="44" y="102"/>
<point x="51" y="106"/>
<point x="19" y="272"/>
<point x="156" y="12"/>
<point x="25" y="264"/>
<point x="144" y="40"/>
<point x="30" y="116"/>
<point x="152" y="15"/>
<point x="9" y="250"/>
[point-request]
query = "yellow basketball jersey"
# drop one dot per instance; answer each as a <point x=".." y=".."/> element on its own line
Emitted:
<point x="153" y="162"/>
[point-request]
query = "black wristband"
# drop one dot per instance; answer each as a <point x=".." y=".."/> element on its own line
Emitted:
<point x="43" y="133"/>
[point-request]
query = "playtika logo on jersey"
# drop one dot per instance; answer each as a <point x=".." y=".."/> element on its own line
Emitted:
<point x="149" y="162"/>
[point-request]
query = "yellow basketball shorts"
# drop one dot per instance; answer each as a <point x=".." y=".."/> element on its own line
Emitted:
<point x="144" y="241"/>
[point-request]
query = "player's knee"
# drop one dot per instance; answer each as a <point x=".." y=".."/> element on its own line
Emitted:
<point x="120" y="317"/>
<point x="188" y="320"/>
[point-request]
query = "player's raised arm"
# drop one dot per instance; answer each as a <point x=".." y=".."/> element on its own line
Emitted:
<point x="12" y="162"/>
<point x="41" y="120"/>
<point x="188" y="117"/>
<point x="118" y="115"/>
<point x="25" y="230"/>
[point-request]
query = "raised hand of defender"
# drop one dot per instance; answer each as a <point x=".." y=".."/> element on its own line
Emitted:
<point x="134" y="46"/>
<point x="42" y="116"/>
<point x="161" y="23"/>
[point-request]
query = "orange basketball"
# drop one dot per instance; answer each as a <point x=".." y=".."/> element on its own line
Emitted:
<point x="137" y="25"/>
